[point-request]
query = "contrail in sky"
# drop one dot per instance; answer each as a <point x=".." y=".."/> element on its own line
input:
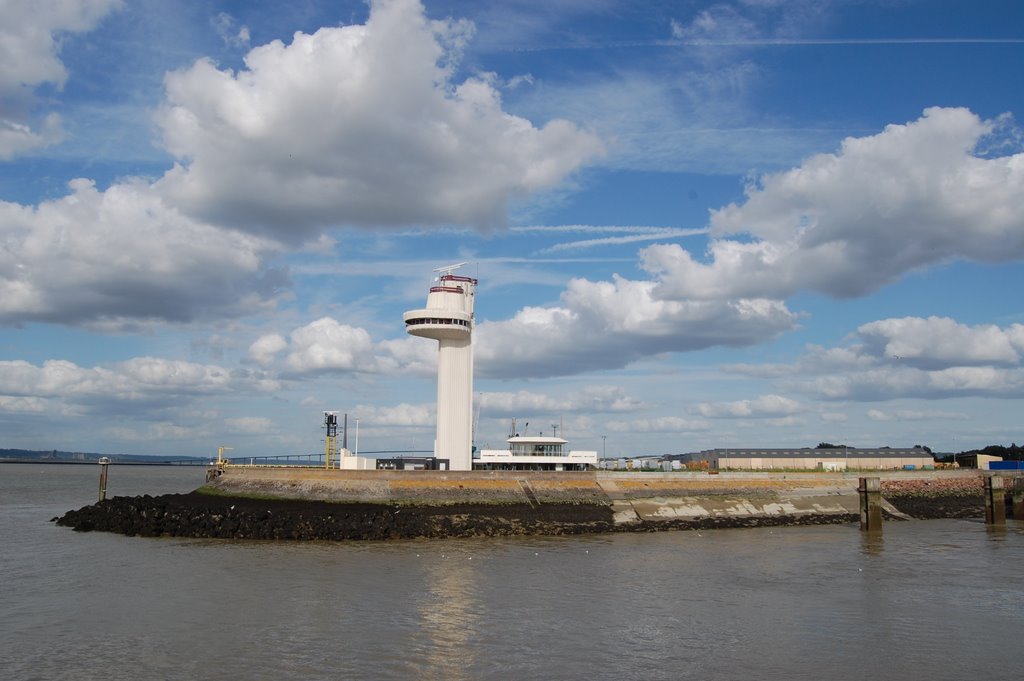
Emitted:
<point x="772" y="42"/>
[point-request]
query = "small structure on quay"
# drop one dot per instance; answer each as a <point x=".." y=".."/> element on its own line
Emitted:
<point x="535" y="454"/>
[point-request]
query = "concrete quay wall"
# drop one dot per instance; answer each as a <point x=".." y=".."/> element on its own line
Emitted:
<point x="662" y="499"/>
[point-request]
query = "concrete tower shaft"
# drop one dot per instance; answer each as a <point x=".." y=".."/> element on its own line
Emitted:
<point x="448" y="319"/>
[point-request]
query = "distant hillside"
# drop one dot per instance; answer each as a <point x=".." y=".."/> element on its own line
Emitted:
<point x="57" y="456"/>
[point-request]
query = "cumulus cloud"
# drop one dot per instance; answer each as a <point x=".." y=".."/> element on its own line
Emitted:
<point x="265" y="349"/>
<point x="138" y="384"/>
<point x="527" y="405"/>
<point x="663" y="424"/>
<point x="766" y="406"/>
<point x="939" y="342"/>
<point x="402" y="415"/>
<point x="114" y="258"/>
<point x="915" y="415"/>
<point x="249" y="425"/>
<point x="397" y="140"/>
<point x="848" y="223"/>
<point x="29" y="57"/>
<point x="327" y="345"/>
<point x="604" y="325"/>
<point x="931" y="358"/>
<point x="22" y="405"/>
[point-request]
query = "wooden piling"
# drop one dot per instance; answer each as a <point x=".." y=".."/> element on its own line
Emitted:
<point x="104" y="462"/>
<point x="870" y="490"/>
<point x="1017" y="497"/>
<point x="995" y="501"/>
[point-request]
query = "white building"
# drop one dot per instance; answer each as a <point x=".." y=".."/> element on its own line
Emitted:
<point x="448" y="319"/>
<point x="535" y="453"/>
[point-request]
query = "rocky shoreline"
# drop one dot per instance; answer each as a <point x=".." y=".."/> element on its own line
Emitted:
<point x="201" y="515"/>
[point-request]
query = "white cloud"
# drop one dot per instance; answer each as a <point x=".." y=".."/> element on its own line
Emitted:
<point x="250" y="425"/>
<point x="402" y="415"/>
<point x="761" y="407"/>
<point x="527" y="405"/>
<point x="915" y="415"/>
<point x="849" y="223"/>
<point x="833" y="417"/>
<point x="29" y="57"/>
<point x="663" y="424"/>
<point x="327" y="345"/>
<point x="940" y="359"/>
<point x="224" y="24"/>
<point x="602" y="325"/>
<point x="121" y="256"/>
<point x="138" y="383"/>
<point x="17" y="138"/>
<point x="397" y="141"/>
<point x="23" y="405"/>
<point x="264" y="350"/>
<point x="938" y="342"/>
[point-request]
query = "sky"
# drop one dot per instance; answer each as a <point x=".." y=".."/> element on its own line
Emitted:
<point x="746" y="223"/>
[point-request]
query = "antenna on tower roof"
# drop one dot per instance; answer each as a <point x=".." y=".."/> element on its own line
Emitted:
<point x="448" y="269"/>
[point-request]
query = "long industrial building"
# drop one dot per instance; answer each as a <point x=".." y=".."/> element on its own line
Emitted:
<point x="837" y="459"/>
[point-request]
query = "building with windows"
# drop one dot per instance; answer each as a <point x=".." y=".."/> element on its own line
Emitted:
<point x="525" y="453"/>
<point x="837" y="459"/>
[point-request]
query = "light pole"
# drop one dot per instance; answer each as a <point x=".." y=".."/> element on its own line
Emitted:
<point x="357" y="437"/>
<point x="604" y="446"/>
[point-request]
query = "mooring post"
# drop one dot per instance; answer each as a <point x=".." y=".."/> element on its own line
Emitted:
<point x="870" y="490"/>
<point x="104" y="462"/>
<point x="995" y="501"/>
<point x="1017" y="496"/>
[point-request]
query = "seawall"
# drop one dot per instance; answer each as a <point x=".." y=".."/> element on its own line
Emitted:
<point x="314" y="503"/>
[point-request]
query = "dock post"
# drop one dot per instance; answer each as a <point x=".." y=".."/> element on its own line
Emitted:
<point x="104" y="462"/>
<point x="1017" y="495"/>
<point x="870" y="490"/>
<point x="995" y="501"/>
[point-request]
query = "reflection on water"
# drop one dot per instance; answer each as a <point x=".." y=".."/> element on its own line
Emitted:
<point x="872" y="543"/>
<point x="922" y="599"/>
<point x="448" y="613"/>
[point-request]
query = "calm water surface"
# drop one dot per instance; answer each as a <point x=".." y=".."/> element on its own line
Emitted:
<point x="928" y="600"/>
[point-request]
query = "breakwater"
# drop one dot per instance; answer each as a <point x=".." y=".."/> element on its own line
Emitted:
<point x="306" y="503"/>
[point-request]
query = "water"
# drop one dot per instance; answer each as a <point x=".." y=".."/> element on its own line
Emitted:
<point x="928" y="600"/>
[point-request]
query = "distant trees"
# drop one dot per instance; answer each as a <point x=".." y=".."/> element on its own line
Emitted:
<point x="1011" y="453"/>
<point x="829" y="445"/>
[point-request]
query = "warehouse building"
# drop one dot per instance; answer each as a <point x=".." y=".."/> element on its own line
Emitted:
<point x="838" y="459"/>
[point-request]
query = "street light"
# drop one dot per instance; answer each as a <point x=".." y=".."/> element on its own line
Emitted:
<point x="357" y="437"/>
<point x="604" y="446"/>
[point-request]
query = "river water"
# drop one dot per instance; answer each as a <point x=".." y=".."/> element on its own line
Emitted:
<point x="938" y="599"/>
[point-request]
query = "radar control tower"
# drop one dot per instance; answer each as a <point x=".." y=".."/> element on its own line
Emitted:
<point x="448" y="319"/>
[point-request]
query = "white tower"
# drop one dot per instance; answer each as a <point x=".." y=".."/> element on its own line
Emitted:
<point x="448" y="318"/>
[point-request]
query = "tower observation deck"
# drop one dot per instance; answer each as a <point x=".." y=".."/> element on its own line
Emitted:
<point x="448" y="319"/>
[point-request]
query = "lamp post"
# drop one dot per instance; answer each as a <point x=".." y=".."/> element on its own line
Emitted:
<point x="357" y="437"/>
<point x="604" y="446"/>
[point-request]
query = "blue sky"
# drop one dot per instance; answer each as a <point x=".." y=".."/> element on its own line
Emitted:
<point x="695" y="224"/>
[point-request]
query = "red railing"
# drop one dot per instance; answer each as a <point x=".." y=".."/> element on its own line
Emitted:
<point x="455" y="277"/>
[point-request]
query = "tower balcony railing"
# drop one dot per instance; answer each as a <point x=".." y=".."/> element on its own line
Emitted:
<point x="456" y="277"/>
